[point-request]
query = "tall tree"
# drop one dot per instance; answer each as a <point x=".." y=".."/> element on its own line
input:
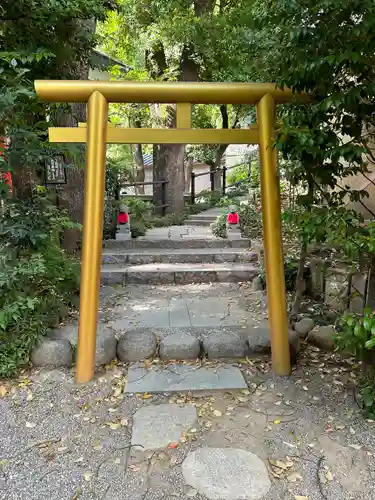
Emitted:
<point x="189" y="40"/>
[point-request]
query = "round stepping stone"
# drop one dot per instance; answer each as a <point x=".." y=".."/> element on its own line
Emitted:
<point x="136" y="345"/>
<point x="224" y="345"/>
<point x="259" y="341"/>
<point x="226" y="474"/>
<point x="157" y="426"/>
<point x="106" y="344"/>
<point x="52" y="352"/>
<point x="179" y="346"/>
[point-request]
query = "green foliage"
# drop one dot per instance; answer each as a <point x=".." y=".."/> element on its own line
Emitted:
<point x="237" y="174"/>
<point x="250" y="220"/>
<point x="37" y="279"/>
<point x="356" y="336"/>
<point x="219" y="227"/>
<point x="137" y="228"/>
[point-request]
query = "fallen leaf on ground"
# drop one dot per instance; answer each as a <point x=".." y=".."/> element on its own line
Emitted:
<point x="113" y="425"/>
<point x="356" y="447"/>
<point x="3" y="391"/>
<point x="329" y="475"/>
<point x="147" y="396"/>
<point x="294" y="477"/>
<point x="87" y="475"/>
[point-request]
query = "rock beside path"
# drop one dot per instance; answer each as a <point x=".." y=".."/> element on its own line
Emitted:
<point x="322" y="336"/>
<point x="157" y="426"/>
<point x="179" y="346"/>
<point x="259" y="341"/>
<point x="106" y="344"/>
<point x="52" y="352"/>
<point x="224" y="345"/>
<point x="226" y="474"/>
<point x="304" y="326"/>
<point x="136" y="345"/>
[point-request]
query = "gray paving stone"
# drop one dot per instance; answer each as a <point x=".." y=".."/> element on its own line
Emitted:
<point x="224" y="345"/>
<point x="226" y="474"/>
<point x="136" y="345"/>
<point x="157" y="426"/>
<point x="178" y="346"/>
<point x="177" y="378"/>
<point x="52" y="352"/>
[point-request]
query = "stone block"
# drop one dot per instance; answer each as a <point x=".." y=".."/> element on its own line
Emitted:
<point x="259" y="341"/>
<point x="303" y="326"/>
<point x="322" y="336"/>
<point x="136" y="345"/>
<point x="52" y="352"/>
<point x="224" y="345"/>
<point x="179" y="346"/>
<point x="106" y="346"/>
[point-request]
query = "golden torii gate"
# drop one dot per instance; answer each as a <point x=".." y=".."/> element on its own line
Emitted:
<point x="98" y="133"/>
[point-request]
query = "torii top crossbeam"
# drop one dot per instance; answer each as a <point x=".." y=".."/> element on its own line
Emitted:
<point x="161" y="92"/>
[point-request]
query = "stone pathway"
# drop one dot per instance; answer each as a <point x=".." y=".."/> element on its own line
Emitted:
<point x="278" y="439"/>
<point x="190" y="408"/>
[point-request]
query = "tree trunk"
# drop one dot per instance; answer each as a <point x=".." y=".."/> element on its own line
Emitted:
<point x="140" y="177"/>
<point x="300" y="281"/>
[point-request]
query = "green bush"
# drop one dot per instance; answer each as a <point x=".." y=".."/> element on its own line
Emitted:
<point x="137" y="228"/>
<point x="219" y="227"/>
<point x="250" y="221"/>
<point x="356" y="336"/>
<point x="37" y="279"/>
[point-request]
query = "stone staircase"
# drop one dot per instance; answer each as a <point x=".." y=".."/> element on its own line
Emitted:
<point x="180" y="255"/>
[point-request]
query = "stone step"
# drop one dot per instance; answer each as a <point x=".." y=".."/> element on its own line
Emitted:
<point x="168" y="273"/>
<point x="193" y="243"/>
<point x="180" y="255"/>
<point x="199" y="222"/>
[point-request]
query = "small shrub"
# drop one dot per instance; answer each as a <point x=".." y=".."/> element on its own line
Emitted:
<point x="137" y="228"/>
<point x="356" y="336"/>
<point x="250" y="221"/>
<point x="219" y="227"/>
<point x="37" y="279"/>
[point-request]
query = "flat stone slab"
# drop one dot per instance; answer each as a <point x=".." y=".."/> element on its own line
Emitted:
<point x="177" y="378"/>
<point x="226" y="474"/>
<point x="157" y="426"/>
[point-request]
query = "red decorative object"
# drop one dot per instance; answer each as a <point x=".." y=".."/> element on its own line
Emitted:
<point x="122" y="218"/>
<point x="7" y="176"/>
<point x="233" y="218"/>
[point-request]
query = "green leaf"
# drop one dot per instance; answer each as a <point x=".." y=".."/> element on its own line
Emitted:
<point x="370" y="344"/>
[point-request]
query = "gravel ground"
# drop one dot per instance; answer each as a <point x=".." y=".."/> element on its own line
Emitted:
<point x="73" y="442"/>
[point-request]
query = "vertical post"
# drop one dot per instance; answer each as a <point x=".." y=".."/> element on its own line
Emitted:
<point x="192" y="189"/>
<point x="92" y="235"/>
<point x="224" y="186"/>
<point x="212" y="179"/>
<point x="163" y="198"/>
<point x="271" y="209"/>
